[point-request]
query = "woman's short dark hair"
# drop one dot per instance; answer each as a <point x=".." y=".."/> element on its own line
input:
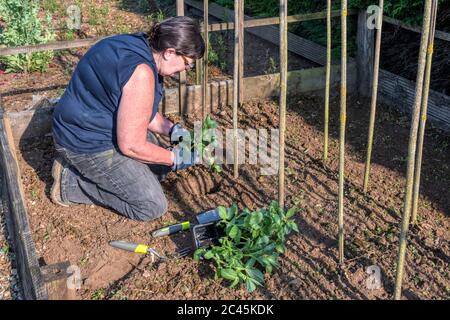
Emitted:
<point x="181" y="33"/>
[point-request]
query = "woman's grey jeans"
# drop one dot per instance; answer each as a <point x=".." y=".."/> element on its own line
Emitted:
<point x="114" y="180"/>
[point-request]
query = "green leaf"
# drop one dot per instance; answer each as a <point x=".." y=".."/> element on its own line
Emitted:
<point x="228" y="274"/>
<point x="250" y="285"/>
<point x="250" y="263"/>
<point x="276" y="219"/>
<point x="232" y="211"/>
<point x="235" y="282"/>
<point x="233" y="232"/>
<point x="223" y="213"/>
<point x="198" y="254"/>
<point x="295" y="227"/>
<point x="263" y="261"/>
<point x="208" y="255"/>
<point x="256" y="218"/>
<point x="263" y="240"/>
<point x="272" y="260"/>
<point x="291" y="212"/>
<point x="280" y="248"/>
<point x="256" y="274"/>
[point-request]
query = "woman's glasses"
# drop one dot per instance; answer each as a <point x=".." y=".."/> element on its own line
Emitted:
<point x="188" y="65"/>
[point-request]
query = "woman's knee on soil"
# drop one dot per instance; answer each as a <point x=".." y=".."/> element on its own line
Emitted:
<point x="147" y="210"/>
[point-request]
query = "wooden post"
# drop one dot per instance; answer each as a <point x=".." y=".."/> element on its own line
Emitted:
<point x="423" y="117"/>
<point x="236" y="89"/>
<point x="205" y="57"/>
<point x="199" y="72"/>
<point x="365" y="53"/>
<point x="412" y="151"/>
<point x="182" y="79"/>
<point x="283" y="93"/>
<point x="327" y="86"/>
<point x="342" y="129"/>
<point x="373" y="106"/>
<point x="241" y="51"/>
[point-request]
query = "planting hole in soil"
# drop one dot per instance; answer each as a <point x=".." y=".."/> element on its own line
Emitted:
<point x="201" y="183"/>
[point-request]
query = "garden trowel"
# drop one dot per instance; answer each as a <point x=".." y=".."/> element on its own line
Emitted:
<point x="202" y="218"/>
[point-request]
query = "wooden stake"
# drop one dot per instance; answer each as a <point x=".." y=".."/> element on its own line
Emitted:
<point x="412" y="150"/>
<point x="236" y="89"/>
<point x="182" y="79"/>
<point x="342" y="129"/>
<point x="241" y="51"/>
<point x="373" y="106"/>
<point x="283" y="93"/>
<point x="205" y="58"/>
<point x="423" y="117"/>
<point x="328" y="80"/>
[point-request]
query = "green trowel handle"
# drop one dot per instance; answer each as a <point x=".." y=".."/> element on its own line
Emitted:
<point x="172" y="229"/>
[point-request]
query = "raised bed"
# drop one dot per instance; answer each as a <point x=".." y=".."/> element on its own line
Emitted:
<point x="309" y="268"/>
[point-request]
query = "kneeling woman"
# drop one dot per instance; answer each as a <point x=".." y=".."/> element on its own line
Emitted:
<point x="103" y="125"/>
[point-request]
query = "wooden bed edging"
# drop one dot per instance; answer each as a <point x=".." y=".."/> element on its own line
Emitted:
<point x="29" y="272"/>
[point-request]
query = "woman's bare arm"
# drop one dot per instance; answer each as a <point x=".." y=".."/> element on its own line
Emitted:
<point x="160" y="125"/>
<point x="134" y="113"/>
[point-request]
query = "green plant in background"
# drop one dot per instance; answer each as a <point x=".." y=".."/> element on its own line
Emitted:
<point x="253" y="240"/>
<point x="99" y="294"/>
<point x="272" y="66"/>
<point x="217" y="55"/>
<point x="157" y="16"/>
<point x="52" y="6"/>
<point x="97" y="16"/>
<point x="24" y="27"/>
<point x="144" y="6"/>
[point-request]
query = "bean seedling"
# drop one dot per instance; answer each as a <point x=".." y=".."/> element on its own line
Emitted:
<point x="206" y="142"/>
<point x="252" y="239"/>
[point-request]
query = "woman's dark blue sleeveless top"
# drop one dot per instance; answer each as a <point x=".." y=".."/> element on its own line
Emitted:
<point x="84" y="120"/>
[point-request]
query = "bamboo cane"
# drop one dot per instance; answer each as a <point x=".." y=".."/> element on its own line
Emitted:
<point x="240" y="63"/>
<point x="236" y="89"/>
<point x="182" y="79"/>
<point x="412" y="150"/>
<point x="205" y="58"/>
<point x="342" y="129"/>
<point x="426" y="93"/>
<point x="241" y="51"/>
<point x="283" y="93"/>
<point x="373" y="106"/>
<point x="328" y="80"/>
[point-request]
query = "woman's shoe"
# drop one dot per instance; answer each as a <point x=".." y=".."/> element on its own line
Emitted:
<point x="55" y="192"/>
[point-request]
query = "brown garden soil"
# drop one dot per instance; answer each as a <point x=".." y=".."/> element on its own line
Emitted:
<point x="309" y="267"/>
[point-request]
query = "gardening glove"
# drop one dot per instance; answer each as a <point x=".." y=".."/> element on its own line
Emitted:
<point x="184" y="158"/>
<point x="177" y="132"/>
